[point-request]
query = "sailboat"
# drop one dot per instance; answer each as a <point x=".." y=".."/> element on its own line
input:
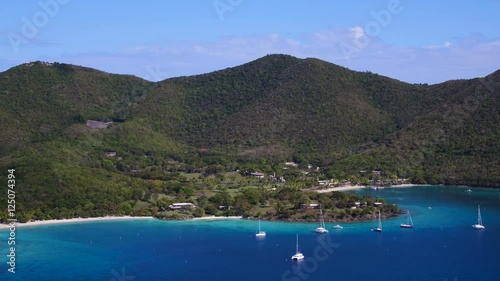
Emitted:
<point x="298" y="255"/>
<point x="409" y="223"/>
<point x="321" y="227"/>
<point x="479" y="224"/>
<point x="379" y="228"/>
<point x="260" y="233"/>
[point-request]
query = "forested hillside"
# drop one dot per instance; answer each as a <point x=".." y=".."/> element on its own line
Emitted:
<point x="180" y="137"/>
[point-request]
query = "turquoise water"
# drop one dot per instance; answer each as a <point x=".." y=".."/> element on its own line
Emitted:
<point x="442" y="246"/>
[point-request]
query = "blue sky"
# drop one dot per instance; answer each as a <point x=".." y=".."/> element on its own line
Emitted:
<point x="415" y="41"/>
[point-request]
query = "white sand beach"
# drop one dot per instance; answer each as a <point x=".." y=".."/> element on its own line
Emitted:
<point x="48" y="222"/>
<point x="406" y="185"/>
<point x="341" y="188"/>
<point x="108" y="218"/>
<point x="218" y="218"/>
<point x="351" y="187"/>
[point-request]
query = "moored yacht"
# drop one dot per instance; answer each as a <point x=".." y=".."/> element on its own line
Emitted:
<point x="379" y="227"/>
<point x="260" y="233"/>
<point x="321" y="227"/>
<point x="298" y="255"/>
<point x="409" y="223"/>
<point x="479" y="224"/>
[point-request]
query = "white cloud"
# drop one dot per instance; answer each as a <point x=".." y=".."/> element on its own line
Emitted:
<point x="446" y="44"/>
<point x="357" y="32"/>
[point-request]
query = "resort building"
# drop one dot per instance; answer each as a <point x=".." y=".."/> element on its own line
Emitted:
<point x="181" y="206"/>
<point x="311" y="206"/>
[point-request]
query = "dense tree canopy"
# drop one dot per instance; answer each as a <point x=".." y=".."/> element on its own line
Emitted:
<point x="251" y="118"/>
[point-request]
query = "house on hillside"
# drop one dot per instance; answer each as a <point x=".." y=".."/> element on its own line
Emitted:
<point x="310" y="206"/>
<point x="98" y="124"/>
<point x="182" y="206"/>
<point x="110" y="153"/>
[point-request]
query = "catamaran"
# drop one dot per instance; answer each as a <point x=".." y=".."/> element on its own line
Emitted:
<point x="260" y="233"/>
<point x="409" y="223"/>
<point x="379" y="227"/>
<point x="321" y="227"/>
<point x="298" y="255"/>
<point x="479" y="224"/>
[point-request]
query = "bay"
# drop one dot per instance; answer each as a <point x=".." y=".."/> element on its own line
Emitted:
<point x="442" y="246"/>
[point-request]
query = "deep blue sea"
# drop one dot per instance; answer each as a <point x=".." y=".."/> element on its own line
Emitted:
<point x="442" y="246"/>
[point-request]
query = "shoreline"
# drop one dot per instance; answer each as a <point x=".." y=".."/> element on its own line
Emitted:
<point x="74" y="220"/>
<point x="107" y="218"/>
<point x="208" y="218"/>
<point x="353" y="187"/>
<point x="341" y="188"/>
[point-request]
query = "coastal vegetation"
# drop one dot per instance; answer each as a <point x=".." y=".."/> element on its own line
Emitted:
<point x="271" y="201"/>
<point x="199" y="139"/>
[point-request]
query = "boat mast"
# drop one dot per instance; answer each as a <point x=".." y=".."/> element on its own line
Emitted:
<point x="297" y="244"/>
<point x="321" y="217"/>
<point x="479" y="220"/>
<point x="379" y="221"/>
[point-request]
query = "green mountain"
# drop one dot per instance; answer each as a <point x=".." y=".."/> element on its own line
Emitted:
<point x="254" y="116"/>
<point x="279" y="106"/>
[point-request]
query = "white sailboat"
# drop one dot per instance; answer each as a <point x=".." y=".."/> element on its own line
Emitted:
<point x="298" y="255"/>
<point x="321" y="227"/>
<point x="260" y="233"/>
<point x="409" y="223"/>
<point x="479" y="224"/>
<point x="379" y="227"/>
